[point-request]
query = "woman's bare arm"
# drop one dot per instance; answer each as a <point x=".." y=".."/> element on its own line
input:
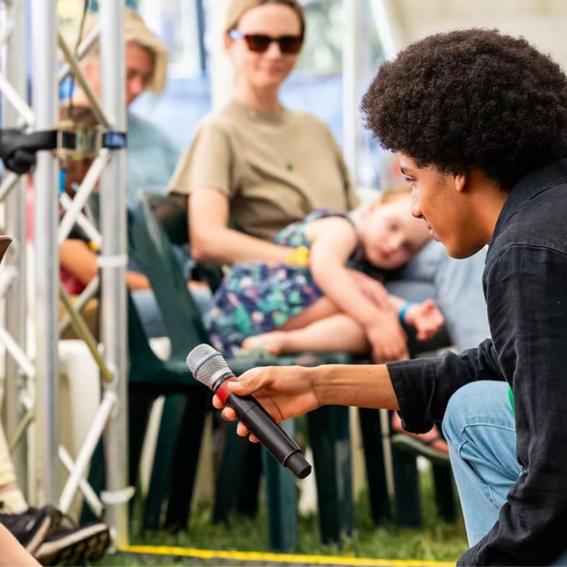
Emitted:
<point x="81" y="262"/>
<point x="213" y="241"/>
<point x="333" y="240"/>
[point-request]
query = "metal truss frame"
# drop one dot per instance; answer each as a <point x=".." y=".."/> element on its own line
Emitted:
<point x="31" y="369"/>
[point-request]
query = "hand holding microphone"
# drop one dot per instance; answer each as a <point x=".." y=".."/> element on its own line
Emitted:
<point x="209" y="367"/>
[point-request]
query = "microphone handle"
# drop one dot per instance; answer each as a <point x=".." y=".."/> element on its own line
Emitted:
<point x="270" y="434"/>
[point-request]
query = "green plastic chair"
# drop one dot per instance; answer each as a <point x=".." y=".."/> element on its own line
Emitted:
<point x="149" y="377"/>
<point x="328" y="434"/>
<point x="238" y="478"/>
<point x="405" y="510"/>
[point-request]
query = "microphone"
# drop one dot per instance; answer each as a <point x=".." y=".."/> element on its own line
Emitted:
<point x="210" y="368"/>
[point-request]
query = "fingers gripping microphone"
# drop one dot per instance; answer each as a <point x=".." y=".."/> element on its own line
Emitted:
<point x="209" y="367"/>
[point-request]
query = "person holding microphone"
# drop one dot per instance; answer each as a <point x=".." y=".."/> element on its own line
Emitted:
<point x="479" y="121"/>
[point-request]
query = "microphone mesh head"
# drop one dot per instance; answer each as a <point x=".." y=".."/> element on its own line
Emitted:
<point x="206" y="364"/>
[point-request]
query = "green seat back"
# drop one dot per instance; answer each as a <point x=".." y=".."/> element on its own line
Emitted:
<point x="152" y="250"/>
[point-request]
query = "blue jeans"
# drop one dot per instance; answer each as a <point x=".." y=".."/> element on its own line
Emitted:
<point x="480" y="429"/>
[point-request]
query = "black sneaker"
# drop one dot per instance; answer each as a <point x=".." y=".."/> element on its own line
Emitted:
<point x="72" y="545"/>
<point x="31" y="527"/>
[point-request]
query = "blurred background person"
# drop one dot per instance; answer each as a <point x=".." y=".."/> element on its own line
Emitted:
<point x="26" y="530"/>
<point x="13" y="554"/>
<point x="151" y="154"/>
<point x="151" y="157"/>
<point x="256" y="166"/>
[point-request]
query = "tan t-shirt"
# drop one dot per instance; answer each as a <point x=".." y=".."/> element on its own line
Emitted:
<point x="275" y="169"/>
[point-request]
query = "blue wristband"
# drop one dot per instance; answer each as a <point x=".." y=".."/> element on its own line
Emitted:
<point x="402" y="314"/>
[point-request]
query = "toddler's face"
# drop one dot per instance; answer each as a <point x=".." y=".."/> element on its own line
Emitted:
<point x="390" y="235"/>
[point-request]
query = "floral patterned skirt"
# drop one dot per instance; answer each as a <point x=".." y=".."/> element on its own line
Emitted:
<point x="256" y="298"/>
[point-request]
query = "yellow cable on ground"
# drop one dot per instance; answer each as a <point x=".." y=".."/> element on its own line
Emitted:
<point x="209" y="554"/>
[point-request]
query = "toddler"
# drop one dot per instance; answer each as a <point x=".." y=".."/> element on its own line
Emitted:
<point x="314" y="301"/>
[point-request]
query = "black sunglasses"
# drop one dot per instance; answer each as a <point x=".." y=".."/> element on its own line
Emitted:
<point x="260" y="43"/>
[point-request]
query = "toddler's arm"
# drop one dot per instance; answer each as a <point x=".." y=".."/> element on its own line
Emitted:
<point x="332" y="242"/>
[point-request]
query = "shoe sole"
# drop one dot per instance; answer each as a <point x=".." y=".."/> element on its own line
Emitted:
<point x="88" y="544"/>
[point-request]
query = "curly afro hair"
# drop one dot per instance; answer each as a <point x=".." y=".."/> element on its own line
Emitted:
<point x="471" y="99"/>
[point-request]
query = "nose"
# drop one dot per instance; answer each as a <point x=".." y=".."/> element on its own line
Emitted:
<point x="274" y="51"/>
<point x="416" y="209"/>
<point x="394" y="243"/>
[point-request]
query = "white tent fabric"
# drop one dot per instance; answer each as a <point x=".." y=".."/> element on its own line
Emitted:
<point x="542" y="22"/>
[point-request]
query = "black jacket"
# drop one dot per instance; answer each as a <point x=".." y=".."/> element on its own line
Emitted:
<point x="525" y="285"/>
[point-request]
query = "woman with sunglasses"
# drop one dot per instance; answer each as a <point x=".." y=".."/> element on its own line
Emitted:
<point x="256" y="166"/>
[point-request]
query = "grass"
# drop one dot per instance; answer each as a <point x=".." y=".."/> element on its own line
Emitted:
<point x="436" y="541"/>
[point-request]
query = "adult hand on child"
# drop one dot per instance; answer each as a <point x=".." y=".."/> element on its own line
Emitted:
<point x="387" y="338"/>
<point x="426" y="318"/>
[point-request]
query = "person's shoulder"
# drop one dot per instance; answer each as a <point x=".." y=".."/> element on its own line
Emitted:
<point x="538" y="222"/>
<point x="142" y="132"/>
<point x="221" y="121"/>
<point x="139" y="124"/>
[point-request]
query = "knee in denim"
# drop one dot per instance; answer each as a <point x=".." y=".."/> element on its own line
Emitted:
<point x="469" y="401"/>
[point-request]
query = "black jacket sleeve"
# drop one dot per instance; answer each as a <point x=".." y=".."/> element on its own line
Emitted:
<point x="424" y="386"/>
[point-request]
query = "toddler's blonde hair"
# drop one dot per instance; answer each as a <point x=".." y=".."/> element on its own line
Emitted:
<point x="394" y="194"/>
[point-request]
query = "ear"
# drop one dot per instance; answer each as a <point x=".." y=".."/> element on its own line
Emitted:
<point x="461" y="182"/>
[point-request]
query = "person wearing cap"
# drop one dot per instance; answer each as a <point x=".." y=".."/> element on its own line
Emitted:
<point x="151" y="156"/>
<point x="256" y="166"/>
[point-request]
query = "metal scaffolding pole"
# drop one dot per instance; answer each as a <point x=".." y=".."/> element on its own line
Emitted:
<point x="46" y="261"/>
<point x="113" y="262"/>
<point x="14" y="66"/>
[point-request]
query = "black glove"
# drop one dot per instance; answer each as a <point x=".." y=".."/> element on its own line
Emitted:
<point x="14" y="153"/>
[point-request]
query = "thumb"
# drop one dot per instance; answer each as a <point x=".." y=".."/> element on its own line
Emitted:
<point x="246" y="383"/>
<point x="428" y="305"/>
